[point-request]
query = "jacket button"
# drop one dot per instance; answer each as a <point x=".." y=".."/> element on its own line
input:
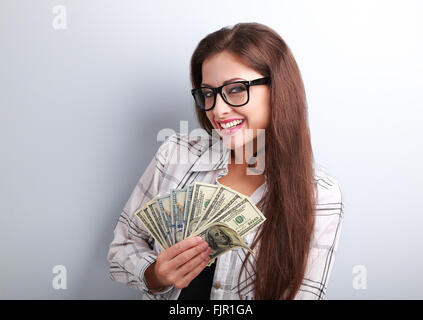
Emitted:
<point x="217" y="285"/>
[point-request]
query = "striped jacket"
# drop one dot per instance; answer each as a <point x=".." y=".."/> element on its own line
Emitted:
<point x="133" y="249"/>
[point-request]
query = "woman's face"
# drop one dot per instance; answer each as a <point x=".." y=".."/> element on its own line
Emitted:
<point x="255" y="114"/>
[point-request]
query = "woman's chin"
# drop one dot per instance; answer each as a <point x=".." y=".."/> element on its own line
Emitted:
<point x="236" y="142"/>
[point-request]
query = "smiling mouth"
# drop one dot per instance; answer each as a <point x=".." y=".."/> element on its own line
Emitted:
<point x="231" y="125"/>
<point x="231" y="128"/>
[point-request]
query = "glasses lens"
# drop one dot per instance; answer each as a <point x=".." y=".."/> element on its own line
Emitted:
<point x="204" y="97"/>
<point x="236" y="93"/>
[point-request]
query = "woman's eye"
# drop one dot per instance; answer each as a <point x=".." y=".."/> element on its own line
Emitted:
<point x="236" y="89"/>
<point x="208" y="94"/>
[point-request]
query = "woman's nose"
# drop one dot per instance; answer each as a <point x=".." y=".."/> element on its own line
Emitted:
<point x="221" y="107"/>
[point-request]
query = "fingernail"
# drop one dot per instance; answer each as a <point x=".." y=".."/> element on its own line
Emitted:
<point x="204" y="246"/>
<point x="197" y="239"/>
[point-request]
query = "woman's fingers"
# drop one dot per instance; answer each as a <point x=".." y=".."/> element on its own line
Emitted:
<point x="184" y="281"/>
<point x="175" y="263"/>
<point x="180" y="247"/>
<point x="193" y="263"/>
<point x="187" y="255"/>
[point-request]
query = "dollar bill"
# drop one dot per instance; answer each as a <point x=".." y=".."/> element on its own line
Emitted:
<point x="154" y="223"/>
<point x="202" y="193"/>
<point x="165" y="208"/>
<point x="243" y="217"/>
<point x="188" y="199"/>
<point x="144" y="216"/>
<point x="158" y="221"/>
<point x="220" y="238"/>
<point x="178" y="197"/>
<point x="219" y="214"/>
<point x="215" y="212"/>
<point x="221" y="198"/>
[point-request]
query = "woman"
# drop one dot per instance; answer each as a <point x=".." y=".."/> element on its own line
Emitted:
<point x="294" y="248"/>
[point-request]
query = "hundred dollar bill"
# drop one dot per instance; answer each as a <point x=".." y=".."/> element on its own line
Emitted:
<point x="163" y="203"/>
<point x="178" y="197"/>
<point x="243" y="217"/>
<point x="202" y="193"/>
<point x="219" y="214"/>
<point x="144" y="216"/>
<point x="220" y="238"/>
<point x="188" y="199"/>
<point x="158" y="220"/>
<point x="220" y="199"/>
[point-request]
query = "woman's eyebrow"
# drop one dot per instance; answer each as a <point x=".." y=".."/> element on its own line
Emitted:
<point x="225" y="82"/>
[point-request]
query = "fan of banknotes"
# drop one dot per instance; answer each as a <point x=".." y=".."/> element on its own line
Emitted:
<point x="218" y="214"/>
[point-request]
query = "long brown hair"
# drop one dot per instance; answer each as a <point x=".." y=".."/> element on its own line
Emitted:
<point x="289" y="199"/>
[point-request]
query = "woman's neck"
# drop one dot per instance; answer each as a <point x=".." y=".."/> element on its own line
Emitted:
<point x="251" y="162"/>
<point x="240" y="156"/>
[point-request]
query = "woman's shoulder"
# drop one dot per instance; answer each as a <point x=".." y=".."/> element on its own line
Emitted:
<point x="329" y="210"/>
<point x="184" y="143"/>
<point x="328" y="188"/>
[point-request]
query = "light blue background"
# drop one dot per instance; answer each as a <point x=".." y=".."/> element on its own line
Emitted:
<point x="80" y="110"/>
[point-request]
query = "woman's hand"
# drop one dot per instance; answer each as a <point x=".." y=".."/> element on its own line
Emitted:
<point x="179" y="264"/>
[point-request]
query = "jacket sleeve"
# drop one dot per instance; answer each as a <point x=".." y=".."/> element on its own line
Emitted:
<point x="329" y="218"/>
<point x="132" y="249"/>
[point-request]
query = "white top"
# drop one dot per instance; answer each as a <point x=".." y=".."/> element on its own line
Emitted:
<point x="205" y="159"/>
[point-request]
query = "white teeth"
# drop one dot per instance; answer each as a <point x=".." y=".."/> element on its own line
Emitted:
<point x="231" y="124"/>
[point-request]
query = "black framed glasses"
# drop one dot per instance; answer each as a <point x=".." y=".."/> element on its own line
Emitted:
<point x="236" y="93"/>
